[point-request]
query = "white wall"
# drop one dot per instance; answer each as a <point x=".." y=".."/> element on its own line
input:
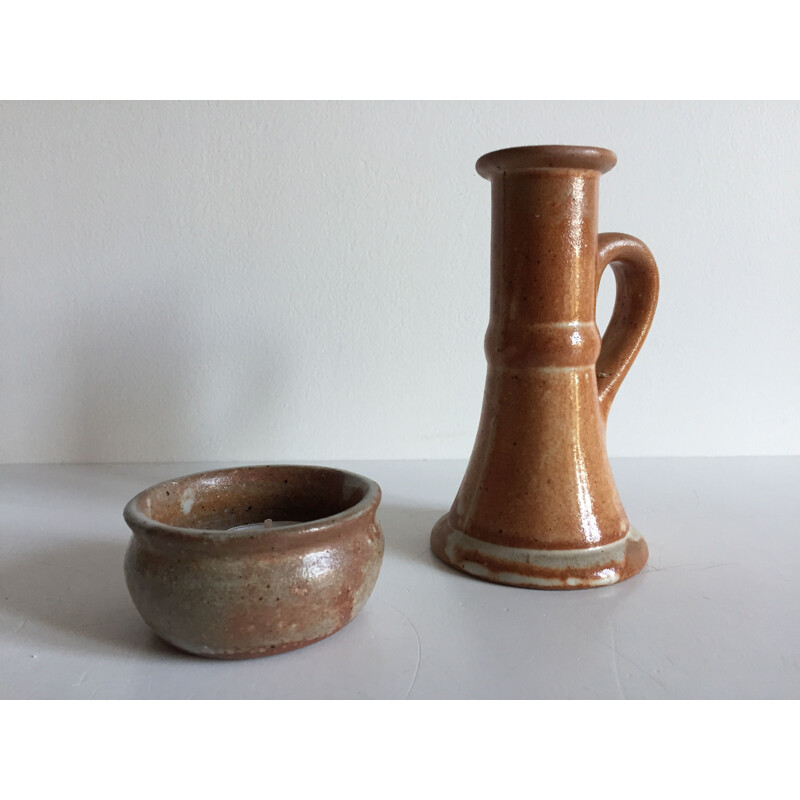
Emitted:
<point x="267" y="281"/>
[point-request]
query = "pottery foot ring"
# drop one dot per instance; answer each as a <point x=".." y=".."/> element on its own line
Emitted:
<point x="540" y="569"/>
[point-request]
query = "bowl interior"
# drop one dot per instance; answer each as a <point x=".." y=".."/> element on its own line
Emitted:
<point x="228" y="498"/>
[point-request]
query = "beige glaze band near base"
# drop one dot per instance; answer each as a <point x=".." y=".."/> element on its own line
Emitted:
<point x="540" y="569"/>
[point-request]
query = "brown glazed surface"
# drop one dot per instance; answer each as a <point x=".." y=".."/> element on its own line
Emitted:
<point x="538" y="506"/>
<point x="238" y="594"/>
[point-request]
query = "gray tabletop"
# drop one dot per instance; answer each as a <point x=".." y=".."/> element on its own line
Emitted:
<point x="715" y="614"/>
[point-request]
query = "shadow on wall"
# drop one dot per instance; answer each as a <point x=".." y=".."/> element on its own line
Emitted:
<point x="147" y="388"/>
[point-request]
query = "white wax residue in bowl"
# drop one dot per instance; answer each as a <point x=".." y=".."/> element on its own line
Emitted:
<point x="267" y="523"/>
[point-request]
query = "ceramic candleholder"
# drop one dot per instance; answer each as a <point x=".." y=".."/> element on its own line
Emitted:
<point x="538" y="506"/>
<point x="252" y="561"/>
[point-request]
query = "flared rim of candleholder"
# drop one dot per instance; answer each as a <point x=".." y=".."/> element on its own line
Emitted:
<point x="550" y="156"/>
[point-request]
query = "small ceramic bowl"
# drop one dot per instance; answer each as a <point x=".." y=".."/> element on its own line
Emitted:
<point x="252" y="561"/>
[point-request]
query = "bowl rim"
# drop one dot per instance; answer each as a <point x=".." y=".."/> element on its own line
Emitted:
<point x="139" y="521"/>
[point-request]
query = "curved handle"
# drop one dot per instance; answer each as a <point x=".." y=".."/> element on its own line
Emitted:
<point x="637" y="294"/>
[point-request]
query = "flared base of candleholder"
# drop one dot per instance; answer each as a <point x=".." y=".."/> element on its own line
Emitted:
<point x="540" y="569"/>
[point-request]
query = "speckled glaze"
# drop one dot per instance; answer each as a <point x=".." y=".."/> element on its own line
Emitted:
<point x="238" y="594"/>
<point x="538" y="506"/>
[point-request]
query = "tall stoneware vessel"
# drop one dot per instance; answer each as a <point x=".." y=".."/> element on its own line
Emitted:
<point x="538" y="506"/>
